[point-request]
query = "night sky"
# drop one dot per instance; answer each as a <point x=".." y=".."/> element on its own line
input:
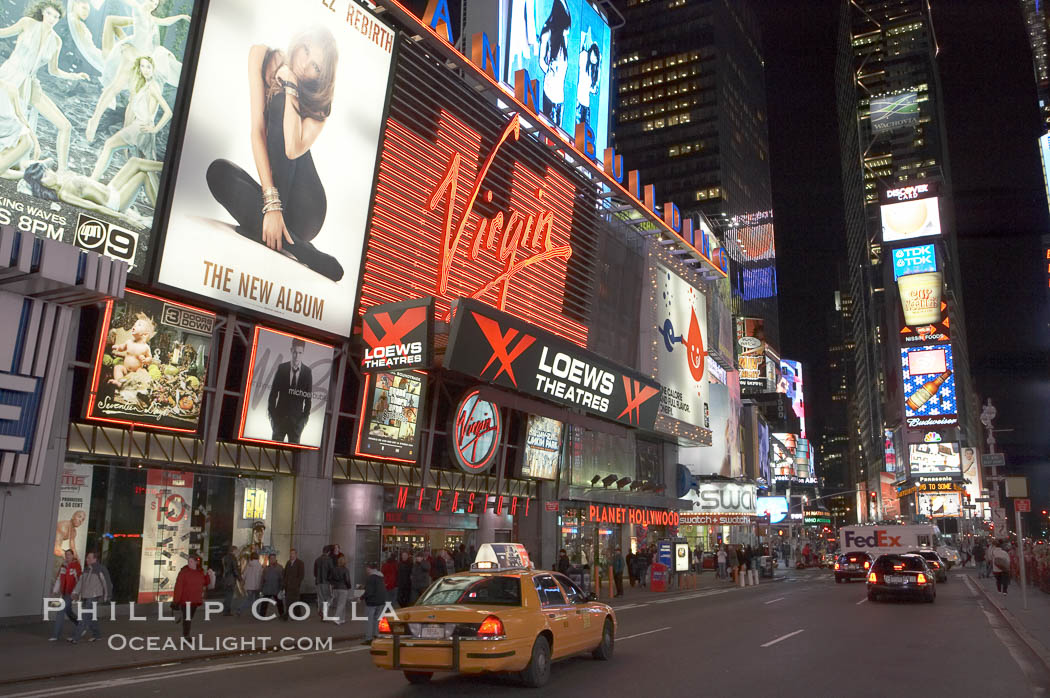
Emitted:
<point x="992" y="117"/>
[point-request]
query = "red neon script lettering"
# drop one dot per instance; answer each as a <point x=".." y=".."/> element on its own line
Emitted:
<point x="515" y="233"/>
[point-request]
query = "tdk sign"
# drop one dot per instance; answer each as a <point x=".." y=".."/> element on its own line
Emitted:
<point x="877" y="539"/>
<point x="913" y="260"/>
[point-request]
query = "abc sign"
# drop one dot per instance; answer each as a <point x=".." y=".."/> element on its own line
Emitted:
<point x="476" y="433"/>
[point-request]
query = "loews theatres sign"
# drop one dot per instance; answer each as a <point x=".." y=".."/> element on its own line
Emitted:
<point x="500" y="349"/>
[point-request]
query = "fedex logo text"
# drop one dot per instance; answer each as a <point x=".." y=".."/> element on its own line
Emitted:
<point x="878" y="539"/>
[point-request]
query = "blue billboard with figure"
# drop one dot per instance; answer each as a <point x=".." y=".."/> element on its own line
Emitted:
<point x="565" y="47"/>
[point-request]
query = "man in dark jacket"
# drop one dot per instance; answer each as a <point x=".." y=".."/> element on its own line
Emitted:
<point x="294" y="573"/>
<point x="322" y="569"/>
<point x="631" y="567"/>
<point x="617" y="570"/>
<point x="404" y="579"/>
<point x="290" y="397"/>
<point x="231" y="574"/>
<point x="563" y="562"/>
<point x="273" y="579"/>
<point x="460" y="559"/>
<point x="375" y="598"/>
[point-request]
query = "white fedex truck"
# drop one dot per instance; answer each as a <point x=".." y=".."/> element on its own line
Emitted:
<point x="879" y="539"/>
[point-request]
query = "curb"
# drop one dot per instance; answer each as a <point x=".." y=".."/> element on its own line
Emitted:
<point x="1037" y="647"/>
<point x="153" y="663"/>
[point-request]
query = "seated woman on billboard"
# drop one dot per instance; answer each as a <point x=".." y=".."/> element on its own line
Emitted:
<point x="114" y="199"/>
<point x="291" y="99"/>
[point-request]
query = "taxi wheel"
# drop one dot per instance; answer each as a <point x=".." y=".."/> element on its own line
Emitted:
<point x="604" y="651"/>
<point x="538" y="671"/>
<point x="419" y="676"/>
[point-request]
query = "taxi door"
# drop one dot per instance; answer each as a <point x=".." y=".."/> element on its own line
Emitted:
<point x="587" y="619"/>
<point x="559" y="614"/>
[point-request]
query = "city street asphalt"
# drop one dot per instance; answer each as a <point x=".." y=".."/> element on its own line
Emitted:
<point x="805" y="636"/>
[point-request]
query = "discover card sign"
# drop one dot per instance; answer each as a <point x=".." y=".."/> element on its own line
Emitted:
<point x="498" y="348"/>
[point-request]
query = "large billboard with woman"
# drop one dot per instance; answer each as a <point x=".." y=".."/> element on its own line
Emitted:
<point x="564" y="46"/>
<point x="87" y="92"/>
<point x="275" y="176"/>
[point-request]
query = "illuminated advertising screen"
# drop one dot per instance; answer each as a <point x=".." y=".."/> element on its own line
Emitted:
<point x="542" y="454"/>
<point x="398" y="336"/>
<point x="913" y="260"/>
<point x="167" y="524"/>
<point x="891" y="503"/>
<point x="389" y="427"/>
<point x="940" y="505"/>
<point x="85" y="119"/>
<point x="928" y="375"/>
<point x="680" y="339"/>
<point x="270" y="208"/>
<point x="1044" y="155"/>
<point x="910" y="212"/>
<point x="782" y="456"/>
<point x="74" y="508"/>
<point x="889" y="449"/>
<point x="286" y="395"/>
<point x="924" y="309"/>
<point x="776" y="508"/>
<point x="564" y="46"/>
<point x="152" y="363"/>
<point x="790" y="383"/>
<point x="934" y="459"/>
<point x="751" y="353"/>
<point x="894" y="111"/>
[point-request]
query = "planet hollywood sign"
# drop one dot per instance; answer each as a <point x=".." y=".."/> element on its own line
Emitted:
<point x="601" y="513"/>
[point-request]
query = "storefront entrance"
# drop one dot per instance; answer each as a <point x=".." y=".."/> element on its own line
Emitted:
<point x="398" y="538"/>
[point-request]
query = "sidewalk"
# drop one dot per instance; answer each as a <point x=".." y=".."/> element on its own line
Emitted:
<point x="1033" y="624"/>
<point x="28" y="655"/>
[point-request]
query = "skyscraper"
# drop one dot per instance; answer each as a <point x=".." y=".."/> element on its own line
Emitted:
<point x="1036" y="21"/>
<point x="691" y="117"/>
<point x="911" y="363"/>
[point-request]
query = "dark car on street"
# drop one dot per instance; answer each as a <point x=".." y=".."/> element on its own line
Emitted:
<point x="901" y="576"/>
<point x="850" y="566"/>
<point x="935" y="563"/>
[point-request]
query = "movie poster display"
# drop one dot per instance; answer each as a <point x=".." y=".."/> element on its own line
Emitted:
<point x="542" y="454"/>
<point x="265" y="64"/>
<point x="85" y="118"/>
<point x="565" y="47"/>
<point x="166" y="528"/>
<point x="286" y="395"/>
<point x="74" y="507"/>
<point x="152" y="362"/>
<point x="389" y="427"/>
<point x="680" y="336"/>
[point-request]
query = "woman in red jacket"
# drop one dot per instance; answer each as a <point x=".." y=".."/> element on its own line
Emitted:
<point x="189" y="591"/>
<point x="389" y="571"/>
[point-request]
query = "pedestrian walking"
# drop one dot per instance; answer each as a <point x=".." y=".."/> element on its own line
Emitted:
<point x="722" y="558"/>
<point x="253" y="574"/>
<point x="1001" y="564"/>
<point x="341" y="583"/>
<point x="460" y="559"/>
<point x="390" y="578"/>
<point x="404" y="579"/>
<point x="93" y="587"/>
<point x="294" y="573"/>
<point x="65" y="583"/>
<point x="231" y="574"/>
<point x="375" y="598"/>
<point x="563" y="565"/>
<point x="978" y="559"/>
<point x="272" y="581"/>
<point x="189" y="592"/>
<point x="438" y="566"/>
<point x="420" y="576"/>
<point x="628" y="561"/>
<point x="617" y="569"/>
<point x="323" y="570"/>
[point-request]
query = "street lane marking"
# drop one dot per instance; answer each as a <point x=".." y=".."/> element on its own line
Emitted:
<point x="647" y="632"/>
<point x="860" y="602"/>
<point x="630" y="605"/>
<point x="783" y="637"/>
<point x="362" y="648"/>
<point x="774" y="600"/>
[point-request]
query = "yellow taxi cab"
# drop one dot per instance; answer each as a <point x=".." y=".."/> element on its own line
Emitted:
<point x="502" y="616"/>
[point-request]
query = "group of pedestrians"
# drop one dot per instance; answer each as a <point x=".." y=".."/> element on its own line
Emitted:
<point x="84" y="588"/>
<point x="734" y="559"/>
<point x="407" y="575"/>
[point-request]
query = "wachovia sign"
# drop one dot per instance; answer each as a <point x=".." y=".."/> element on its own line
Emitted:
<point x="398" y="335"/>
<point x="505" y="351"/>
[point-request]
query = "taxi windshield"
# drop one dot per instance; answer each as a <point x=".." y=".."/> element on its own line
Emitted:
<point x="473" y="590"/>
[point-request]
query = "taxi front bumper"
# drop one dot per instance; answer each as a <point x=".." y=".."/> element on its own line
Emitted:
<point x="460" y="654"/>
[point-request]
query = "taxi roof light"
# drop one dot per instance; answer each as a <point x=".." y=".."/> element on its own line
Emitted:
<point x="491" y="627"/>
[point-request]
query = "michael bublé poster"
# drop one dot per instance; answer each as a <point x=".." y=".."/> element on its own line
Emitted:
<point x="287" y="393"/>
<point x="277" y="168"/>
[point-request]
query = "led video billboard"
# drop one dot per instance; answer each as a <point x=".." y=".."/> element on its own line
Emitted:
<point x="934" y="459"/>
<point x="928" y="375"/>
<point x="565" y="47"/>
<point x="894" y="111"/>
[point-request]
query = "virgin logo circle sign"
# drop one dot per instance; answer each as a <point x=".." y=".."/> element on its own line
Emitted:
<point x="476" y="433"/>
